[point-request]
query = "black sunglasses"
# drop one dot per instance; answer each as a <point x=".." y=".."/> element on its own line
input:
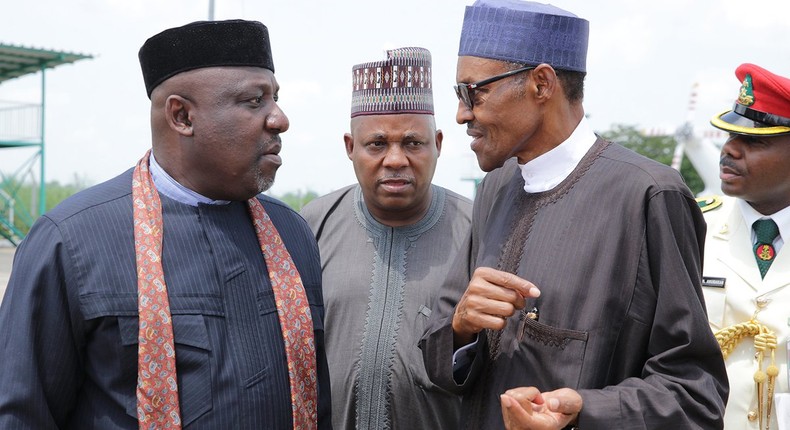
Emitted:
<point x="466" y="92"/>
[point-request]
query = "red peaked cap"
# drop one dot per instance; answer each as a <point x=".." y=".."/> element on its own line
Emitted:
<point x="771" y="91"/>
<point x="762" y="107"/>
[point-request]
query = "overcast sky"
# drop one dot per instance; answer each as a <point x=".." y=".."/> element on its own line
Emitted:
<point x="643" y="59"/>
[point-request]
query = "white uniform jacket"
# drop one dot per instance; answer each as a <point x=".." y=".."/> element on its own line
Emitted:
<point x="733" y="292"/>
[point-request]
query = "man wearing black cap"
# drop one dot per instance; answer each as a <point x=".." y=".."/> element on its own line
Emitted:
<point x="585" y="306"/>
<point x="747" y="271"/>
<point x="175" y="295"/>
<point x="387" y="244"/>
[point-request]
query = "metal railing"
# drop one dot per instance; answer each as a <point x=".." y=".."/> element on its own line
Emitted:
<point x="8" y="228"/>
<point x="20" y="124"/>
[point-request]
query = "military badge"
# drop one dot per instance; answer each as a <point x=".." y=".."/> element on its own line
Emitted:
<point x="765" y="252"/>
<point x="746" y="94"/>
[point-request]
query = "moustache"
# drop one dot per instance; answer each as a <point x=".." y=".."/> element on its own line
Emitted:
<point x="726" y="161"/>
<point x="275" y="139"/>
<point x="272" y="144"/>
<point x="396" y="177"/>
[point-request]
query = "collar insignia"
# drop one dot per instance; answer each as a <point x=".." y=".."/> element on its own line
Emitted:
<point x="709" y="203"/>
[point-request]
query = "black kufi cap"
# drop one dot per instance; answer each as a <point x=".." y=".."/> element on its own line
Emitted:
<point x="204" y="44"/>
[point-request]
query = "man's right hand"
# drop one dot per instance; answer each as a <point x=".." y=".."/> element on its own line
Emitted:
<point x="491" y="297"/>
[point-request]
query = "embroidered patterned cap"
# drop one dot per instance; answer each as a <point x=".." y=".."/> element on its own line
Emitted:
<point x="525" y="32"/>
<point x="762" y="107"/>
<point x="400" y="84"/>
<point x="204" y="44"/>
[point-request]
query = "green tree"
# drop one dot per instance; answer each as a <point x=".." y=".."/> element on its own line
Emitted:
<point x="297" y="200"/>
<point x="25" y="196"/>
<point x="20" y="198"/>
<point x="658" y="148"/>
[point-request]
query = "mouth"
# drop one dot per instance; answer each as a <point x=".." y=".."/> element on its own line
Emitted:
<point x="271" y="153"/>
<point x="727" y="170"/>
<point x="727" y="174"/>
<point x="476" y="136"/>
<point x="395" y="185"/>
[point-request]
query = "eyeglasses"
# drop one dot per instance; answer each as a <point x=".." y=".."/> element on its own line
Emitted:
<point x="466" y="92"/>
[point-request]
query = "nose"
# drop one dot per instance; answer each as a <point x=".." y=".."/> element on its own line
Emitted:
<point x="733" y="146"/>
<point x="395" y="158"/>
<point x="463" y="114"/>
<point x="276" y="121"/>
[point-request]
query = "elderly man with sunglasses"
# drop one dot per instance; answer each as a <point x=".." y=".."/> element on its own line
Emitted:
<point x="584" y="306"/>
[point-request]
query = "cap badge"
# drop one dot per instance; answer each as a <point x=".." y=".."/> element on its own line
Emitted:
<point x="746" y="94"/>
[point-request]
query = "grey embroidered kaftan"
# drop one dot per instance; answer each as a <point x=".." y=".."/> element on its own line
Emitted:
<point x="380" y="284"/>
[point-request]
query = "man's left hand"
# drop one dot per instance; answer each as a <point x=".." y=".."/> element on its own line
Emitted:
<point x="526" y="408"/>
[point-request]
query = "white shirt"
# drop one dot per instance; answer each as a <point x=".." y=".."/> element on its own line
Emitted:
<point x="781" y="218"/>
<point x="548" y="170"/>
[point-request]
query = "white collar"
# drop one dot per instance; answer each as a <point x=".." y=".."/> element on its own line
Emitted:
<point x="781" y="218"/>
<point x="168" y="186"/>
<point x="548" y="170"/>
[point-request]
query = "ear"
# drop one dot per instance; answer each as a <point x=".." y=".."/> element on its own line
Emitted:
<point x="439" y="137"/>
<point x="178" y="115"/>
<point x="545" y="82"/>
<point x="349" y="140"/>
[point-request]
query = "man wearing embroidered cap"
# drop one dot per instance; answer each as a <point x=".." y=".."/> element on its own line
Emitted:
<point x="746" y="276"/>
<point x="175" y="295"/>
<point x="584" y="307"/>
<point x="386" y="247"/>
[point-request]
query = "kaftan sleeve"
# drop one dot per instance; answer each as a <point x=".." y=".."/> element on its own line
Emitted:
<point x="684" y="381"/>
<point x="437" y="342"/>
<point x="40" y="373"/>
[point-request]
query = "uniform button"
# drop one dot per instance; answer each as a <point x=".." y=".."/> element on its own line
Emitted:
<point x="752" y="415"/>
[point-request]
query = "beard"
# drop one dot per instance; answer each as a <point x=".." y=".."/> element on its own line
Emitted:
<point x="264" y="180"/>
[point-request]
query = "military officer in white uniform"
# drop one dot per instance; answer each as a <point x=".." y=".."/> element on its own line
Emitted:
<point x="746" y="273"/>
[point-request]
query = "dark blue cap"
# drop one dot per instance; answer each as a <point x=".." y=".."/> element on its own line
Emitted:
<point x="525" y="32"/>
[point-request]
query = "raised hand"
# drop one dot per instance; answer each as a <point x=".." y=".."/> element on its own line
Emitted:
<point x="491" y="297"/>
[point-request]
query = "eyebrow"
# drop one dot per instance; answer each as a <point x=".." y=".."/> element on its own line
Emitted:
<point x="413" y="135"/>
<point x="378" y="135"/>
<point x="243" y="87"/>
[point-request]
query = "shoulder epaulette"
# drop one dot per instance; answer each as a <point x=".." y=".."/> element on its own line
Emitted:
<point x="709" y="203"/>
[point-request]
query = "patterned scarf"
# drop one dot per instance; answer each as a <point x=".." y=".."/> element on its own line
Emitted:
<point x="157" y="387"/>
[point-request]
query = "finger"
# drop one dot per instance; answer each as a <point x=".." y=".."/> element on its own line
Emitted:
<point x="564" y="401"/>
<point x="480" y="288"/>
<point x="526" y="396"/>
<point x="495" y="307"/>
<point x="513" y="414"/>
<point x="491" y="300"/>
<point x="564" y="406"/>
<point x="471" y="316"/>
<point x="474" y="321"/>
<point x="482" y="291"/>
<point x="508" y="281"/>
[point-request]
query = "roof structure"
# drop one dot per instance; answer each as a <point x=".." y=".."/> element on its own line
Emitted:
<point x="16" y="61"/>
